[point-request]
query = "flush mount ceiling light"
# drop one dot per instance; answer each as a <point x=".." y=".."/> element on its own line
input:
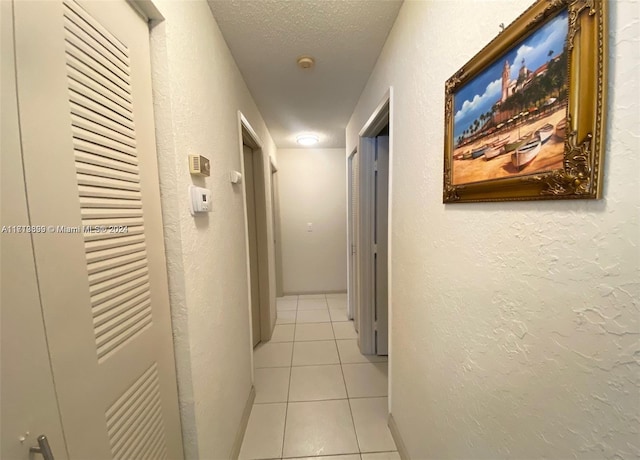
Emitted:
<point x="305" y="62"/>
<point x="307" y="139"/>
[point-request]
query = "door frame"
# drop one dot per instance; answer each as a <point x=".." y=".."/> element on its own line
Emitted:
<point x="249" y="137"/>
<point x="275" y="212"/>
<point x="379" y="118"/>
<point x="352" y="280"/>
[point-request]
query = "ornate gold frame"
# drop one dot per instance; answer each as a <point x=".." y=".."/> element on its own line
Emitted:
<point x="581" y="176"/>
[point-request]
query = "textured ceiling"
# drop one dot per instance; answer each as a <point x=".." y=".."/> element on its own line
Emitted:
<point x="267" y="36"/>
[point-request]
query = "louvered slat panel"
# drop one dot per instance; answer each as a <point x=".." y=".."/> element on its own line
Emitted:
<point x="93" y="126"/>
<point x="110" y="342"/>
<point x="120" y="278"/>
<point x="96" y="279"/>
<point x="97" y="181"/>
<point x="74" y="25"/>
<point x="95" y="113"/>
<point x="135" y="303"/>
<point x="117" y="294"/>
<point x="82" y="131"/>
<point x="97" y="236"/>
<point x="103" y="265"/>
<point x="108" y="243"/>
<point x="95" y="169"/>
<point x="88" y="73"/>
<point x="113" y="253"/>
<point x="85" y="96"/>
<point x="74" y="10"/>
<point x="113" y="193"/>
<point x="85" y="147"/>
<point x="134" y="421"/>
<point x="88" y="52"/>
<point x="112" y="203"/>
<point x="108" y="178"/>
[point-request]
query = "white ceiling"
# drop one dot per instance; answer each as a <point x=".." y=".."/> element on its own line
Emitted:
<point x="344" y="36"/>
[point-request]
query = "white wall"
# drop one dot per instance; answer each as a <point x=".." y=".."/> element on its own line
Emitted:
<point x="514" y="325"/>
<point x="313" y="189"/>
<point x="198" y="91"/>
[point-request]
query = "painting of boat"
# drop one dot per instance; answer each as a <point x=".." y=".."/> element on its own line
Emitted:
<point x="493" y="152"/>
<point x="512" y="146"/>
<point x="545" y="133"/>
<point x="524" y="154"/>
<point x="501" y="142"/>
<point x="561" y="128"/>
<point x="477" y="153"/>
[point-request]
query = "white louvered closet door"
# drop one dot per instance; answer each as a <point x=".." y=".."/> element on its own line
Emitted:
<point x="84" y="89"/>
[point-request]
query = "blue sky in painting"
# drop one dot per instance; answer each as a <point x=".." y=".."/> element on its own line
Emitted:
<point x="477" y="96"/>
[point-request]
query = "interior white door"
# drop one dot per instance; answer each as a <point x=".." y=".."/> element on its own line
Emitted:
<point x="353" y="239"/>
<point x="27" y="394"/>
<point x="381" y="255"/>
<point x="90" y="169"/>
<point x="250" y="193"/>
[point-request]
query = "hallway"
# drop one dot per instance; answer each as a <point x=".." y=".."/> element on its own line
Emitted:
<point x="316" y="395"/>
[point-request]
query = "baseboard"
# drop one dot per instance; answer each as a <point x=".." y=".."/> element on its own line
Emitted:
<point x="395" y="434"/>
<point x="237" y="445"/>
<point x="313" y="292"/>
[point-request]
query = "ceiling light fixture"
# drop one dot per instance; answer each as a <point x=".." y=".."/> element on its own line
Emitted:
<point x="307" y="139"/>
<point x="305" y="62"/>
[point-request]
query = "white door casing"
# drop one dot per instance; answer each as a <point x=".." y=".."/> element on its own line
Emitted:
<point x="84" y="94"/>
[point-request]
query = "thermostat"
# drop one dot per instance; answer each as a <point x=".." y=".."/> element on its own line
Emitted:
<point x="200" y="200"/>
<point x="199" y="165"/>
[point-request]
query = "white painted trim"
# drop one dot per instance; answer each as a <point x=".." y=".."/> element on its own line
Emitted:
<point x="390" y="248"/>
<point x="350" y="295"/>
<point x="244" y="421"/>
<point x="244" y="123"/>
<point x="397" y="438"/>
<point x="148" y="10"/>
<point x="372" y="126"/>
<point x="241" y="122"/>
<point x="248" y="136"/>
<point x="379" y="117"/>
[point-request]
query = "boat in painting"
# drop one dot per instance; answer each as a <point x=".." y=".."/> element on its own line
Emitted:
<point x="477" y="153"/>
<point x="545" y="133"/>
<point x="561" y="128"/>
<point x="526" y="152"/>
<point x="493" y="152"/>
<point x="497" y="148"/>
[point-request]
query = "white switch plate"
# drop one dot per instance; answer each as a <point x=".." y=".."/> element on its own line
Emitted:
<point x="309" y="227"/>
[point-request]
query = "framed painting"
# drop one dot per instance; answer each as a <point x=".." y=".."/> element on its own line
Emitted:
<point x="524" y="118"/>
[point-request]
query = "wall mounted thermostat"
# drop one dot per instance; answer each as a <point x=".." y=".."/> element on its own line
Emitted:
<point x="199" y="200"/>
<point x="199" y="165"/>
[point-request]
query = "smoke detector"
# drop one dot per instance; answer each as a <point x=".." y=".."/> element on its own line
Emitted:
<point x="306" y="62"/>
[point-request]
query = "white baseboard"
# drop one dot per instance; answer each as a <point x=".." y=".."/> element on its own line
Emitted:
<point x="402" y="449"/>
<point x="237" y="445"/>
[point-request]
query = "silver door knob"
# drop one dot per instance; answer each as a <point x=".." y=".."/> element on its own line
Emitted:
<point x="43" y="448"/>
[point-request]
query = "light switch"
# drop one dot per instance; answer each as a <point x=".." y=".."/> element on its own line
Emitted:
<point x="309" y="227"/>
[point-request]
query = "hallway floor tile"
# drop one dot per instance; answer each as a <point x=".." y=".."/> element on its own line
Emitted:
<point x="317" y="397"/>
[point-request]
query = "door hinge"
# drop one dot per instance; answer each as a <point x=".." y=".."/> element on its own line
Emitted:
<point x="353" y="249"/>
<point x="375" y="248"/>
<point x="375" y="166"/>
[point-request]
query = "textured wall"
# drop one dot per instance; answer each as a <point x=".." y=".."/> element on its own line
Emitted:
<point x="198" y="91"/>
<point x="514" y="325"/>
<point x="313" y="189"/>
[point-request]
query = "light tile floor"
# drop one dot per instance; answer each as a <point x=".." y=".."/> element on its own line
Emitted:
<point x="317" y="397"/>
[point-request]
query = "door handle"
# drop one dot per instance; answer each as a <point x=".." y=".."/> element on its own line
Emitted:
<point x="43" y="448"/>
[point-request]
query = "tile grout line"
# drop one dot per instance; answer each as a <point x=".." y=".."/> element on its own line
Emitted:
<point x="286" y="410"/>
<point x="353" y="423"/>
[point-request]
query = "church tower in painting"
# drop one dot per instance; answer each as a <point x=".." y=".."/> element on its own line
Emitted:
<point x="505" y="81"/>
